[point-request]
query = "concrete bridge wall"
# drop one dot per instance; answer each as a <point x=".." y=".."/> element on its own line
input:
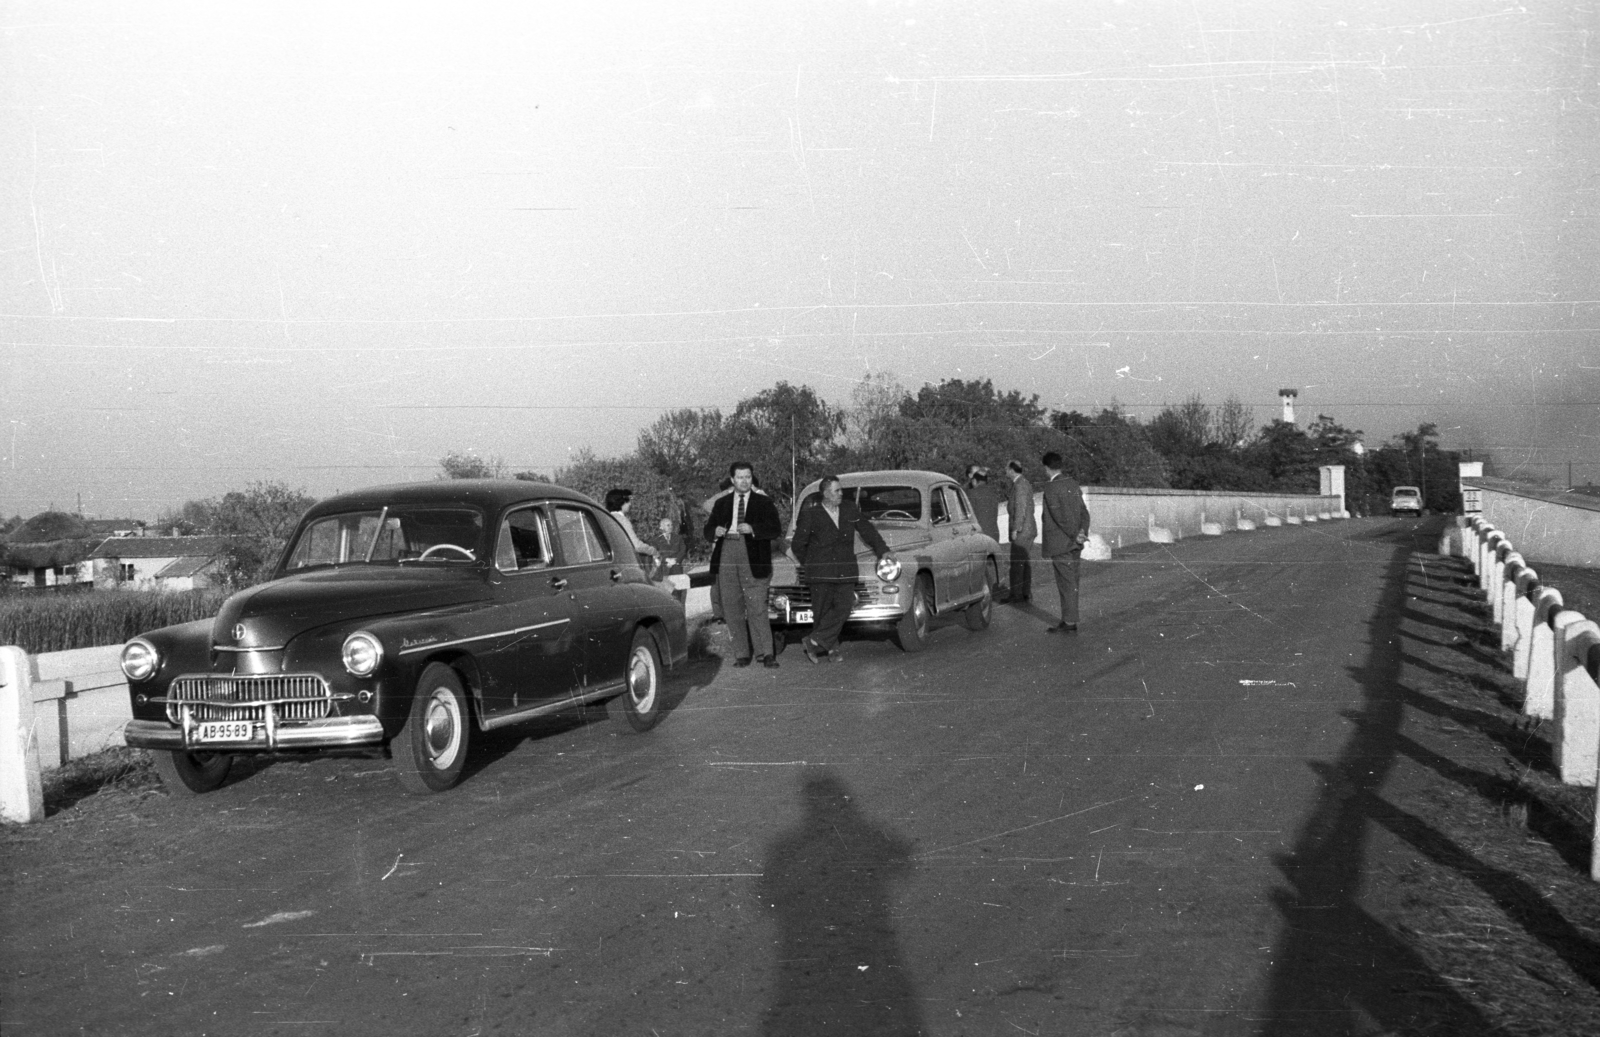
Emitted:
<point x="1551" y="526"/>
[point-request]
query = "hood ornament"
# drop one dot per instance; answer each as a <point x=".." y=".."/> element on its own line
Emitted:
<point x="238" y="631"/>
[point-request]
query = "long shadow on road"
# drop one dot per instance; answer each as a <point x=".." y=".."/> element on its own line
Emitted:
<point x="839" y="968"/>
<point x="1339" y="970"/>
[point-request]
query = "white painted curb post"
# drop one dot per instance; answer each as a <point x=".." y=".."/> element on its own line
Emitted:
<point x="1577" y="723"/>
<point x="1539" y="695"/>
<point x="1521" y="624"/>
<point x="21" y="793"/>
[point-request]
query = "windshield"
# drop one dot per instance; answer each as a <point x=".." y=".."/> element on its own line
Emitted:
<point x="1407" y="491"/>
<point x="881" y="503"/>
<point x="390" y="536"/>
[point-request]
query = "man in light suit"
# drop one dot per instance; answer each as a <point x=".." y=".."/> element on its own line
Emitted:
<point x="1023" y="531"/>
<point x="1066" y="529"/>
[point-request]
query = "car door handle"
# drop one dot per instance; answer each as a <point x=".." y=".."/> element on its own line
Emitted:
<point x="558" y="583"/>
<point x="616" y="574"/>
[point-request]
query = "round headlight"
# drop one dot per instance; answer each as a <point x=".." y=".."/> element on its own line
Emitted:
<point x="361" y="653"/>
<point x="780" y="601"/>
<point x="888" y="569"/>
<point x="139" y="660"/>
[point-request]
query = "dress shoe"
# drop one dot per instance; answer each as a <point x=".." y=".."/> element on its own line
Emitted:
<point x="1062" y="628"/>
<point x="743" y="660"/>
<point x="769" y="661"/>
<point x="813" y="653"/>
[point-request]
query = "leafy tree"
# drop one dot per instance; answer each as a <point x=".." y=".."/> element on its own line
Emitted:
<point x="261" y="517"/>
<point x="1118" y="448"/>
<point x="788" y="432"/>
<point x="1286" y="456"/>
<point x="653" y="497"/>
<point x="459" y="465"/>
<point x="964" y="404"/>
<point x="875" y="400"/>
<point x="684" y="447"/>
<point x="1233" y="424"/>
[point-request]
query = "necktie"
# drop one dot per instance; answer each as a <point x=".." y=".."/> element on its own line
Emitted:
<point x="738" y="512"/>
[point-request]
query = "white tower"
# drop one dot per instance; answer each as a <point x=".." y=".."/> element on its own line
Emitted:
<point x="1287" y="396"/>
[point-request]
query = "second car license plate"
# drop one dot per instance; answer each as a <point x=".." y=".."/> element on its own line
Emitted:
<point x="225" y="731"/>
<point x="802" y="615"/>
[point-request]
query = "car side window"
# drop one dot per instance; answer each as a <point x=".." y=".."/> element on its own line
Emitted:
<point x="579" y="534"/>
<point x="523" y="542"/>
<point x="958" y="503"/>
<point x="941" y="512"/>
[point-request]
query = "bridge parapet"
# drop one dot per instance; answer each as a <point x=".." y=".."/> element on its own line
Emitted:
<point x="1555" y="653"/>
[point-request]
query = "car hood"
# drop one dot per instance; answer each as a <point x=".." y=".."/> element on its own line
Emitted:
<point x="271" y="614"/>
<point x="902" y="540"/>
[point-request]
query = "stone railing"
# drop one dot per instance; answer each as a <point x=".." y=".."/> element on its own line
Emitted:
<point x="1555" y="651"/>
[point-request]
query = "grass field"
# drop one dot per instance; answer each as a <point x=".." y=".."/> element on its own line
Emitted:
<point x="58" y="622"/>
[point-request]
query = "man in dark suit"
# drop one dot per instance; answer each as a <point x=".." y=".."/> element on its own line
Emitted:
<point x="1023" y="531"/>
<point x="824" y="543"/>
<point x="985" y="505"/>
<point x="1066" y="529"/>
<point x="743" y="526"/>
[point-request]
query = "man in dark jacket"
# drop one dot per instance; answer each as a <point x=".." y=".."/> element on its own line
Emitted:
<point x="824" y="543"/>
<point x="743" y="526"/>
<point x="1066" y="530"/>
<point x="985" y="505"/>
<point x="1023" y="532"/>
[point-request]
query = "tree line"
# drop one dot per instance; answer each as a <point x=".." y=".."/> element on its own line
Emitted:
<point x="792" y="436"/>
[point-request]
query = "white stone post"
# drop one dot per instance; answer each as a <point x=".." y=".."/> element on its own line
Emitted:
<point x="1522" y="623"/>
<point x="1577" y="720"/>
<point x="1539" y="697"/>
<point x="21" y="792"/>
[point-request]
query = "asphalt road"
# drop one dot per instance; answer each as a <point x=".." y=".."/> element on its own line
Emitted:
<point x="1008" y="832"/>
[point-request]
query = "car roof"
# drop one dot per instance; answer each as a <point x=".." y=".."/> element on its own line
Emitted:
<point x="902" y="476"/>
<point x="489" y="494"/>
<point x="1408" y="489"/>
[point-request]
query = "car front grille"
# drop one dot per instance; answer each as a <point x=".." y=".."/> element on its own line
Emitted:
<point x="800" y="597"/>
<point x="294" y="696"/>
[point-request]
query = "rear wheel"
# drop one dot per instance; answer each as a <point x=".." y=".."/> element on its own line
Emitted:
<point x="916" y="623"/>
<point x="431" y="749"/>
<point x="189" y="774"/>
<point x="640" y="701"/>
<point x="981" y="611"/>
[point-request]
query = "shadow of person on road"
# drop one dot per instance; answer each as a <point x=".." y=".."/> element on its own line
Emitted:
<point x="827" y="880"/>
<point x="1338" y="969"/>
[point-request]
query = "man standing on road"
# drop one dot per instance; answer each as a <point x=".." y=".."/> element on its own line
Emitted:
<point x="743" y="526"/>
<point x="824" y="543"/>
<point x="1019" y="512"/>
<point x="1066" y="529"/>
<point x="985" y="505"/>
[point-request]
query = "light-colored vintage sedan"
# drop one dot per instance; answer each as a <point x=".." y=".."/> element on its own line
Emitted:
<point x="947" y="565"/>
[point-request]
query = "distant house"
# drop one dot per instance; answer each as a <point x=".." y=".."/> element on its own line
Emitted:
<point x="158" y="563"/>
<point x="50" y="550"/>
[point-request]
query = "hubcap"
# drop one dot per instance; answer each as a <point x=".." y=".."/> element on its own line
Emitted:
<point x="442" y="728"/>
<point x="641" y="679"/>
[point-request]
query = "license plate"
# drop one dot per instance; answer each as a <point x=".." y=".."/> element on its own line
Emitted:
<point x="802" y="615"/>
<point x="225" y="731"/>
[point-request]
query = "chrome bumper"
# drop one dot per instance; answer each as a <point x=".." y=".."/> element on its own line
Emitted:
<point x="328" y="733"/>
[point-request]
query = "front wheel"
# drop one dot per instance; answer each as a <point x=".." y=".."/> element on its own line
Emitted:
<point x="640" y="701"/>
<point x="431" y="749"/>
<point x="981" y="611"/>
<point x="189" y="774"/>
<point x="916" y="623"/>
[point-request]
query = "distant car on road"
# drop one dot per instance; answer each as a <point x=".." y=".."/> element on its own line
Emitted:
<point x="412" y="616"/>
<point x="1406" y="500"/>
<point x="948" y="565"/>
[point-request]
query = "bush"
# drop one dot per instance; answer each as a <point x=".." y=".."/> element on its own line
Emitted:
<point x="59" y="622"/>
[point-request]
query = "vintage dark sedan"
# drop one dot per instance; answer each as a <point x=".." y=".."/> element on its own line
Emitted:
<point x="410" y="616"/>
<point x="947" y="566"/>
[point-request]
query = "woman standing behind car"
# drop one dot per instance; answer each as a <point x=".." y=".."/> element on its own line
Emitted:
<point x="824" y="543"/>
<point x="618" y="502"/>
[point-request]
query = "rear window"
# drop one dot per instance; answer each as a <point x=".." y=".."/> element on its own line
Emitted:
<point x="881" y="503"/>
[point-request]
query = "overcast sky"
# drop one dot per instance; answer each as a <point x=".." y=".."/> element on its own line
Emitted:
<point x="326" y="243"/>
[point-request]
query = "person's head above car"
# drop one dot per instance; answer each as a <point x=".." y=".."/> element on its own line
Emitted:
<point x="743" y="474"/>
<point x="1051" y="462"/>
<point x="618" y="499"/>
<point x="832" y="492"/>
